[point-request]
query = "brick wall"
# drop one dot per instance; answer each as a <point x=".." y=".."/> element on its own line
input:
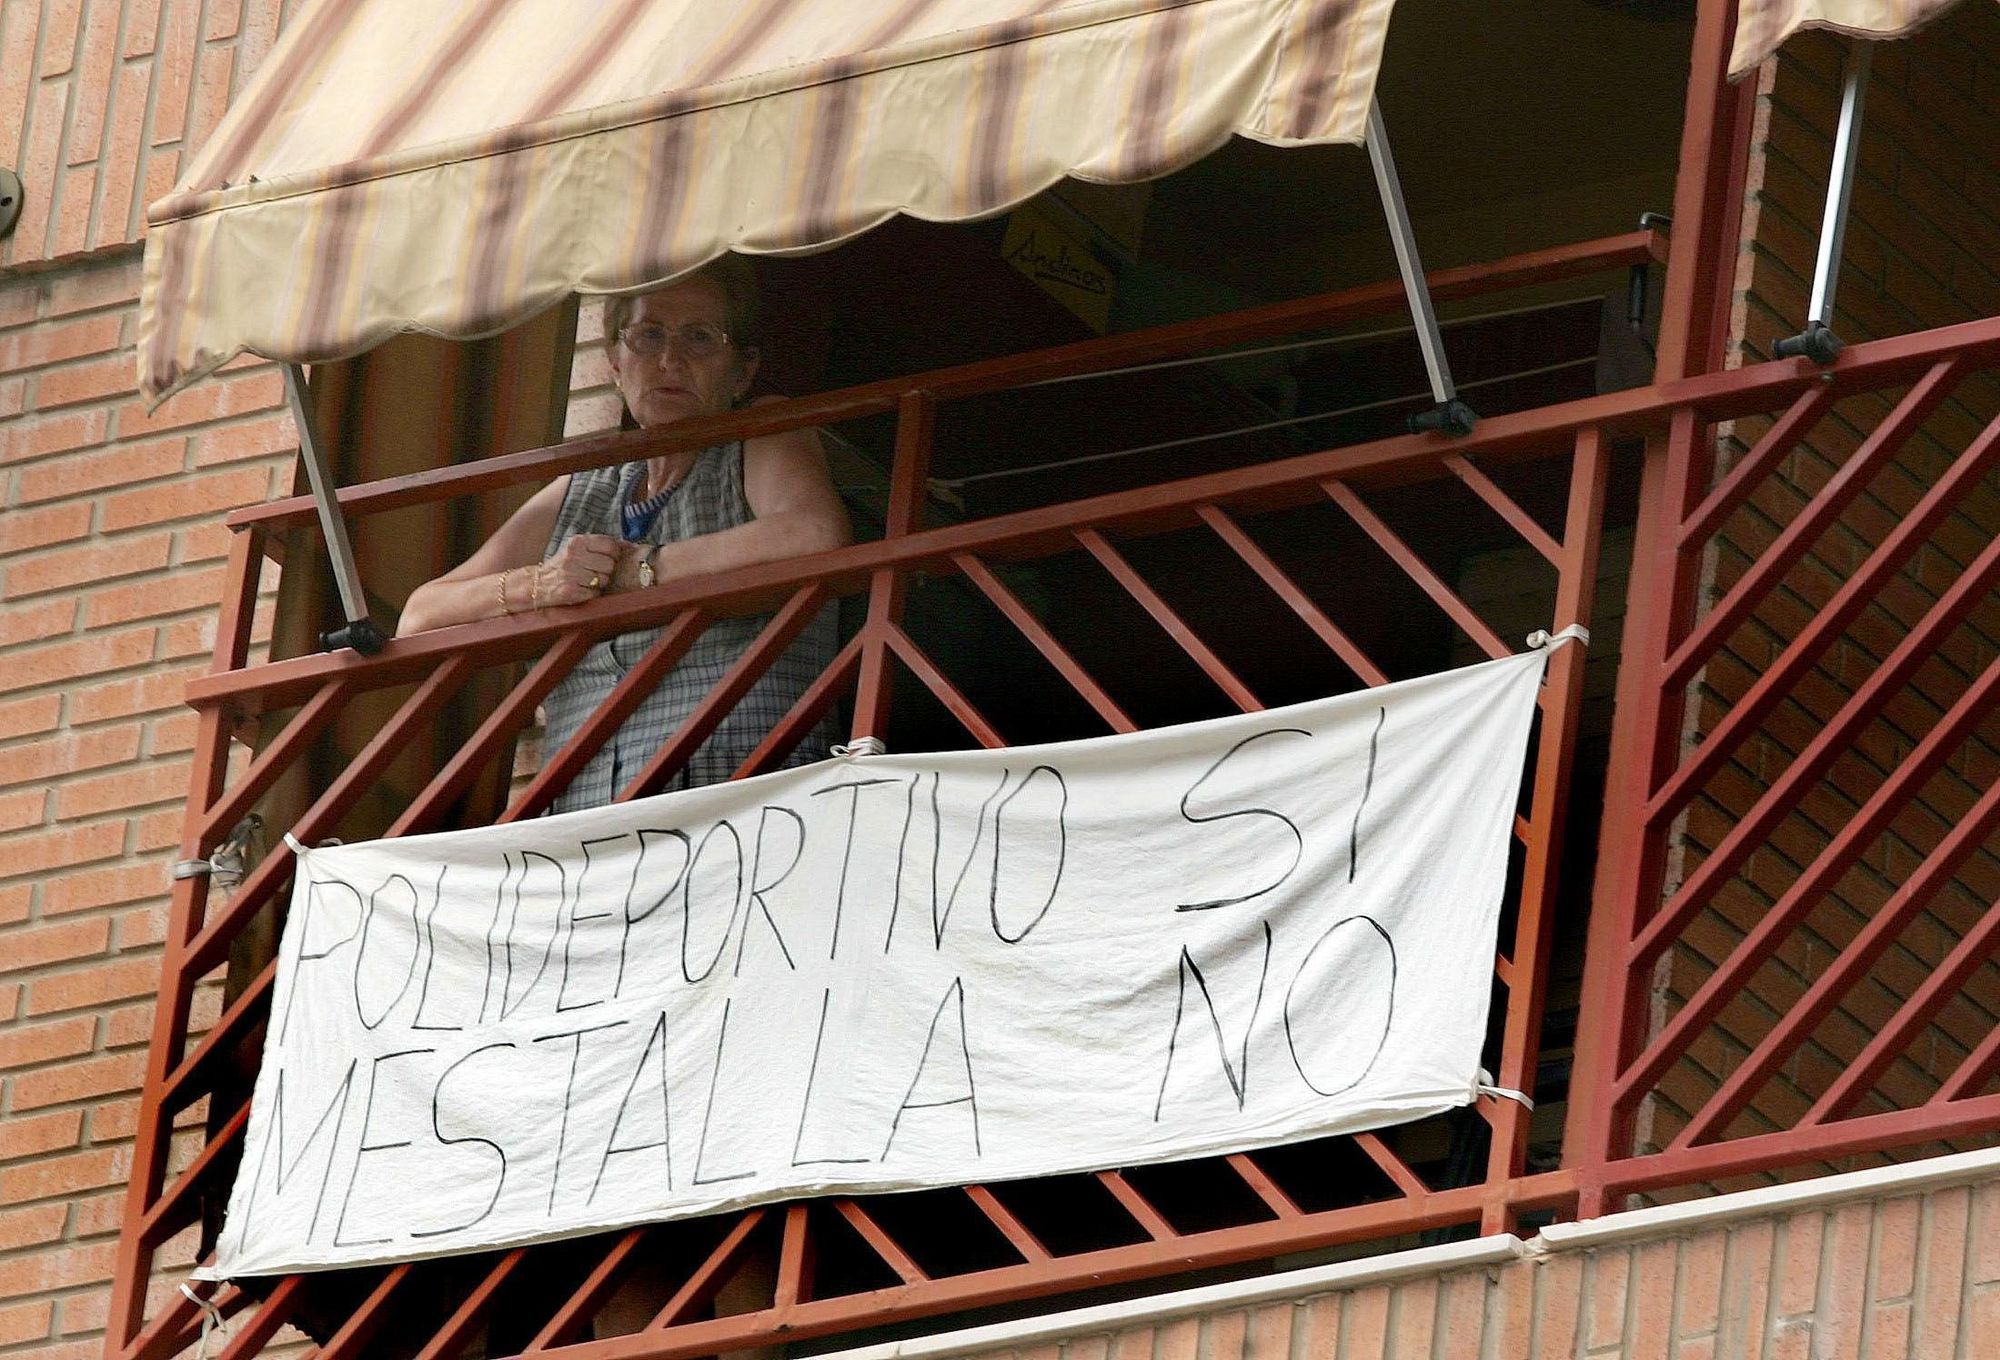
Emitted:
<point x="1913" y="1276"/>
<point x="1923" y="250"/>
<point x="110" y="568"/>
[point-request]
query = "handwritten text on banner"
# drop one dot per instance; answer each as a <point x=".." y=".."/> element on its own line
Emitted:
<point x="887" y="972"/>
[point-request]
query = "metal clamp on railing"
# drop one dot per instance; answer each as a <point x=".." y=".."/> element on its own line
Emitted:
<point x="225" y="864"/>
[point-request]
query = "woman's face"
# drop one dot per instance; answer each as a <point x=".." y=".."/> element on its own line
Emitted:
<point x="673" y="385"/>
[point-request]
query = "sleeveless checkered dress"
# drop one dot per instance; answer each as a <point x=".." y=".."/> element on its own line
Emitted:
<point x="708" y="500"/>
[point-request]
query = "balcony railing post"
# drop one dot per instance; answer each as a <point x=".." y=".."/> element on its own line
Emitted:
<point x="909" y="480"/>
<point x="1555" y="758"/>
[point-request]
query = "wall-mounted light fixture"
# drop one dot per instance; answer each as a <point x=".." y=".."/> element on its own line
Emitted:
<point x="10" y="201"/>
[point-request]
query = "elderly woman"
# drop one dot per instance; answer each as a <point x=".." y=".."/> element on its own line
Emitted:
<point x="685" y="350"/>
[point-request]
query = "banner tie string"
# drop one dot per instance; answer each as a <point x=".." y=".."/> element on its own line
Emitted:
<point x="1483" y="1086"/>
<point x="860" y="746"/>
<point x="298" y="846"/>
<point x="211" y="1320"/>
<point x="1576" y="632"/>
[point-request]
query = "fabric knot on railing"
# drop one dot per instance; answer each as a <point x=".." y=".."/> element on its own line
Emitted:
<point x="860" y="746"/>
<point x="211" y="1320"/>
<point x="1484" y="1086"/>
<point x="1576" y="632"/>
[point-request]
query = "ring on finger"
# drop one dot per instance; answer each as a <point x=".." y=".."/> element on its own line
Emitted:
<point x="596" y="581"/>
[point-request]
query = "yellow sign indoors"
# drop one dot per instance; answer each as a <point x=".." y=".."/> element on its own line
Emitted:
<point x="1061" y="263"/>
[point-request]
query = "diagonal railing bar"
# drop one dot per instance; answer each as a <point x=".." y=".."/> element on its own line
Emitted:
<point x="1505" y="506"/>
<point x="706" y="716"/>
<point x="1527" y="963"/>
<point x="1287" y="590"/>
<point x="1138" y="1206"/>
<point x="1847" y="968"/>
<point x="458" y="1329"/>
<point x="1783" y="794"/>
<point x="1164" y="614"/>
<point x="167" y="1332"/>
<point x="880" y="1242"/>
<point x="278" y="756"/>
<point x="1418" y="570"/>
<point x="1971" y="1074"/>
<point x="1818" y="878"/>
<point x="260" y="1326"/>
<point x="499" y="728"/>
<point x="1971" y="953"/>
<point x="940" y="685"/>
<point x="631" y="690"/>
<point x="180" y="1088"/>
<point x="1830" y="621"/>
<point x="365" y="1321"/>
<point x="989" y="584"/>
<point x="1262" y="1186"/>
<point x="795" y="1258"/>
<point x="1019" y="1236"/>
<point x="1737" y="484"/>
<point x="589" y="1296"/>
<point x="1392" y="1166"/>
<point x="177" y="1208"/>
<point x="804" y="715"/>
<point x="207" y="949"/>
<point x="700" y="1286"/>
<point x="888" y="588"/>
<point x="1796" y="538"/>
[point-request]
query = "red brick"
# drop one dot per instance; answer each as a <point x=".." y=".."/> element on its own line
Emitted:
<point x="17" y="65"/>
<point x="79" y="192"/>
<point x="24" y="1322"/>
<point x="54" y="342"/>
<point x="89" y="1169"/>
<point x="74" y="990"/>
<point x="13" y="396"/>
<point x="15" y="899"/>
<point x="121" y="466"/>
<point x="76" y="1081"/>
<point x="1317" y="1325"/>
<point x="100" y="53"/>
<point x="1896" y="1253"/>
<point x="140" y="929"/>
<point x="21" y="530"/>
<point x="89" y="289"/>
<point x="91" y="888"/>
<point x="10" y="1004"/>
<point x="65" y="661"/>
<point x="173" y="735"/>
<point x="202" y="494"/>
<point x="59" y="19"/>
<point x="26" y="808"/>
<point x="152" y="783"/>
<point x="179" y="39"/>
<point x="263" y="437"/>
<point x="260" y="31"/>
<point x="27" y="1135"/>
<point x="38" y="170"/>
<point x="1798" y="1281"/>
<point x="31" y="1226"/>
<point x="38" y="436"/>
<point x="203" y="542"/>
<point x="186" y="638"/>
<point x="1364" y="1325"/>
<point x="60" y="847"/>
<point x="142" y="27"/>
<point x="97" y="1215"/>
<point x="149" y="693"/>
<point x="64" y="568"/>
<point x="36" y="622"/>
<point x="129" y="1025"/>
<point x="92" y="380"/>
<point x="25" y="716"/>
<point x="117" y="210"/>
<point x="66" y="1268"/>
<point x="211" y="90"/>
<point x="158" y="830"/>
<point x="176" y="593"/>
<point x="68" y="753"/>
<point x="211" y="399"/>
<point x="62" y="942"/>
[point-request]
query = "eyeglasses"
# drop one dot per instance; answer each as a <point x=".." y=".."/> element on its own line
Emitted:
<point x="695" y="340"/>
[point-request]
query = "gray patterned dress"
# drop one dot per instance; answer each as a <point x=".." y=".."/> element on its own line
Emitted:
<point x="709" y="499"/>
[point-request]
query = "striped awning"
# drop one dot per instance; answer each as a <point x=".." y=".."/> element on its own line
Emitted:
<point x="457" y="166"/>
<point x="1763" y="25"/>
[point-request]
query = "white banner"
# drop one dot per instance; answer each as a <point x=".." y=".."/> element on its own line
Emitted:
<point x="887" y="972"/>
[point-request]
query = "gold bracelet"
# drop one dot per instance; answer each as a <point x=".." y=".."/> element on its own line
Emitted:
<point x="504" y="610"/>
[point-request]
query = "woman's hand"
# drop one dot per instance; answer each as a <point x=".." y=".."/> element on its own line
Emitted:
<point x="581" y="569"/>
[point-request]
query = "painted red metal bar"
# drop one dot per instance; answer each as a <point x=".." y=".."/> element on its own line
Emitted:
<point x="1831" y="619"/>
<point x="940" y="685"/>
<point x="812" y="705"/>
<point x="1505" y="506"/>
<point x="1036" y="632"/>
<point x="916" y="425"/>
<point x="1771" y="930"/>
<point x="1417" y="570"/>
<point x="1295" y="599"/>
<point x="1164" y="614"/>
<point x="1742" y="478"/>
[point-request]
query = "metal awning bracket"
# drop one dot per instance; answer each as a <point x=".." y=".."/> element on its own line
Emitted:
<point x="1449" y="415"/>
<point x="1817" y="341"/>
<point x="359" y="632"/>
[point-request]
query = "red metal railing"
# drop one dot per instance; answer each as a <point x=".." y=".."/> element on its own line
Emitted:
<point x="1257" y="1205"/>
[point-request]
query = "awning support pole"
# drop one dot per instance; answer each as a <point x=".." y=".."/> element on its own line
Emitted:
<point x="1817" y="341"/>
<point x="1450" y="415"/>
<point x="359" y="632"/>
